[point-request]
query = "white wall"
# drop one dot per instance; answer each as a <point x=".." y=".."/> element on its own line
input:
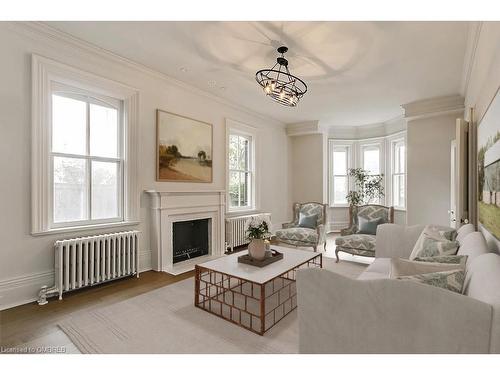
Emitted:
<point x="428" y="165"/>
<point x="26" y="262"/>
<point x="307" y="161"/>
<point x="483" y="83"/>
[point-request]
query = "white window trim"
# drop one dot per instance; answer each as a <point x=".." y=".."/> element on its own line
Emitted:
<point x="235" y="127"/>
<point x="351" y="160"/>
<point x="46" y="72"/>
<point x="392" y="141"/>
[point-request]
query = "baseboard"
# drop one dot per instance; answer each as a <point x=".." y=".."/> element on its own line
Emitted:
<point x="24" y="289"/>
<point x="337" y="226"/>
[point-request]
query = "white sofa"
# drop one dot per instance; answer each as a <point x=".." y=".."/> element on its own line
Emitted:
<point x="376" y="314"/>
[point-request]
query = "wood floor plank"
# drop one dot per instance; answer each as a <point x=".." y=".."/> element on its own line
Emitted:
<point x="31" y="324"/>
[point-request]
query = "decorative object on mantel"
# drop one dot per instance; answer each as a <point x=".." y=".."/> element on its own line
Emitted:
<point x="367" y="187"/>
<point x="184" y="149"/>
<point x="271" y="256"/>
<point x="257" y="231"/>
<point x="279" y="84"/>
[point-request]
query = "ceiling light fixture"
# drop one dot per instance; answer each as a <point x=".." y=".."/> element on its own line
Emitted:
<point x="279" y="84"/>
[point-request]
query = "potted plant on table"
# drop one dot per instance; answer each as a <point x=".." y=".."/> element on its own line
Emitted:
<point x="257" y="231"/>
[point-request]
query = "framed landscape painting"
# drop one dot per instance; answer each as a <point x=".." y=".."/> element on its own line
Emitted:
<point x="184" y="149"/>
<point x="488" y="161"/>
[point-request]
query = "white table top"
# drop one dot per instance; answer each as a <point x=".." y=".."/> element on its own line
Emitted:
<point x="229" y="265"/>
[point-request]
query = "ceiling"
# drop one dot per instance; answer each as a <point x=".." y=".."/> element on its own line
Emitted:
<point x="358" y="73"/>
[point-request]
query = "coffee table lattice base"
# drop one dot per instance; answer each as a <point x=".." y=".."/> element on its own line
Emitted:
<point x="239" y="301"/>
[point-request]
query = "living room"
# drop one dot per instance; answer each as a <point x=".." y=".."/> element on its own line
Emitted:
<point x="215" y="186"/>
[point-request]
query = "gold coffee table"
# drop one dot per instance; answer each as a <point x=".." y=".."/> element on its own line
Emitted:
<point x="251" y="297"/>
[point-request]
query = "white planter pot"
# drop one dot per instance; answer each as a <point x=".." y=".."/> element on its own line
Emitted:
<point x="257" y="249"/>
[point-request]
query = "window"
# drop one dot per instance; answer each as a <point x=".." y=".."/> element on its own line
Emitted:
<point x="86" y="160"/>
<point x="371" y="159"/>
<point x="240" y="171"/>
<point x="84" y="150"/>
<point x="398" y="173"/>
<point x="340" y="179"/>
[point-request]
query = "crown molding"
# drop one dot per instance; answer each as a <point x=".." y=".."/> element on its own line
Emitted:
<point x="41" y="31"/>
<point x="381" y="129"/>
<point x="473" y="35"/>
<point x="433" y="107"/>
<point x="303" y="128"/>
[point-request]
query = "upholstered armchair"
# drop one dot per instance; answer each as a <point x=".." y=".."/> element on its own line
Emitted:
<point x="362" y="244"/>
<point x="307" y="227"/>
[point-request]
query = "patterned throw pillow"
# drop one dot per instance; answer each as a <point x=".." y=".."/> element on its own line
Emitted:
<point x="431" y="243"/>
<point x="449" y="259"/>
<point x="451" y="280"/>
<point x="450" y="235"/>
<point x="405" y="267"/>
<point x="366" y="226"/>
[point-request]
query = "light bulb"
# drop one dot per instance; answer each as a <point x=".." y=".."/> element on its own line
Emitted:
<point x="282" y="94"/>
<point x="273" y="85"/>
<point x="267" y="89"/>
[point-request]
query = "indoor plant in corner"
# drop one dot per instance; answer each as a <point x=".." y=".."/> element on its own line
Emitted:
<point x="367" y="187"/>
<point x="257" y="231"/>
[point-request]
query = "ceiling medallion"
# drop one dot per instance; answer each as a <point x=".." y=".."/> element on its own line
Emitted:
<point x="279" y="84"/>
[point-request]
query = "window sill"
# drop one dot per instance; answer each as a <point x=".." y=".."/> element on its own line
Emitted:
<point x="249" y="211"/>
<point x="84" y="228"/>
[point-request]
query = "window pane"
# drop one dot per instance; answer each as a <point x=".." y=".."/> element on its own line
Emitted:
<point x="340" y="162"/>
<point x="233" y="151"/>
<point x="244" y="189"/>
<point x="243" y="153"/>
<point x="69" y="125"/>
<point x="104" y="190"/>
<point x="234" y="185"/>
<point x="340" y="189"/>
<point x="401" y="159"/>
<point x="398" y="191"/>
<point x="70" y="203"/>
<point x="371" y="160"/>
<point x="103" y="131"/>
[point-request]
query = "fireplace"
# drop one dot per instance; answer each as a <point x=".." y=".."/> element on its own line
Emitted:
<point x="187" y="228"/>
<point x="190" y="239"/>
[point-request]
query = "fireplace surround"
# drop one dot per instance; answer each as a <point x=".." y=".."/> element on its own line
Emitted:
<point x="169" y="210"/>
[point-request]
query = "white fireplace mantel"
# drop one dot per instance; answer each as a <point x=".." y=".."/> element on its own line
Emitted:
<point x="168" y="207"/>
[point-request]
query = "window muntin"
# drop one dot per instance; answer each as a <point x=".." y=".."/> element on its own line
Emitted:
<point x="240" y="171"/>
<point x="85" y="159"/>
<point x="398" y="174"/>
<point x="340" y="177"/>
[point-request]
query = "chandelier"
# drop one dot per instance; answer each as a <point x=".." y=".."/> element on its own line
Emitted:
<point x="279" y="84"/>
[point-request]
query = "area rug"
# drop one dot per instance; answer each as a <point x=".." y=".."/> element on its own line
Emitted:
<point x="166" y="321"/>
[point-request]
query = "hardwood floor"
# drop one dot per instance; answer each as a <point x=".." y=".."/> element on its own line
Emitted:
<point x="30" y="326"/>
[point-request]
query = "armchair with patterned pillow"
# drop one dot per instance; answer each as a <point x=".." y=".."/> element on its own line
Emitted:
<point x="307" y="227"/>
<point x="359" y="238"/>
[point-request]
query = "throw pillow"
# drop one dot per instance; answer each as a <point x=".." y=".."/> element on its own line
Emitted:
<point x="450" y="235"/>
<point x="404" y="267"/>
<point x="451" y="280"/>
<point x="366" y="226"/>
<point x="431" y="243"/>
<point x="308" y="221"/>
<point x="449" y="259"/>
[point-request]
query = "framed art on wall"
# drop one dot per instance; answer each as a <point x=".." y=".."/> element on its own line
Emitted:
<point x="488" y="161"/>
<point x="183" y="148"/>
